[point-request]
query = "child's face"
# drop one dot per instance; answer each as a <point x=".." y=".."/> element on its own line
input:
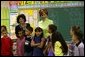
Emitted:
<point x="71" y="32"/>
<point x="4" y="33"/>
<point x="49" y="30"/>
<point x="74" y="38"/>
<point x="2" y="29"/>
<point x="27" y="32"/>
<point x="38" y="33"/>
<point x="20" y="33"/>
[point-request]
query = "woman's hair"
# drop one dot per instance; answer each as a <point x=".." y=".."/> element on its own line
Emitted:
<point x="43" y="11"/>
<point x="56" y="36"/>
<point x="3" y="26"/>
<point x="38" y="29"/>
<point x="76" y="30"/>
<point x="21" y="16"/>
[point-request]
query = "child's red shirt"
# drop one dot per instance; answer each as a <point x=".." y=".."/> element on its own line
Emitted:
<point x="6" y="46"/>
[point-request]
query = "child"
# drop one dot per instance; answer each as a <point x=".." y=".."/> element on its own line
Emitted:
<point x="20" y="42"/>
<point x="27" y="47"/>
<point x="56" y="43"/>
<point x="3" y="28"/>
<point x="6" y="43"/>
<point x="38" y="42"/>
<point x="77" y="46"/>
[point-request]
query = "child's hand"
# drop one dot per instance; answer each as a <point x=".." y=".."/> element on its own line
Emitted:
<point x="71" y="46"/>
<point x="68" y="45"/>
<point x="37" y="44"/>
<point x="33" y="44"/>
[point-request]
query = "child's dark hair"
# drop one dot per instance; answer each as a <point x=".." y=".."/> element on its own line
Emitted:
<point x="38" y="29"/>
<point x="76" y="30"/>
<point x="21" y="16"/>
<point x="20" y="29"/>
<point x="30" y="29"/>
<point x="52" y="27"/>
<point x="56" y="36"/>
<point x="3" y="26"/>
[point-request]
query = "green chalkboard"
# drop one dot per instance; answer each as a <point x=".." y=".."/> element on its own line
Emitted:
<point x="64" y="18"/>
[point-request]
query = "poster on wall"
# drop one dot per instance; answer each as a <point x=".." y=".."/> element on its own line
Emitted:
<point x="49" y="4"/>
<point x="13" y="6"/>
<point x="13" y="23"/>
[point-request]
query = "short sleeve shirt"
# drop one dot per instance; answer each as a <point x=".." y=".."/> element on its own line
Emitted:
<point x="44" y="25"/>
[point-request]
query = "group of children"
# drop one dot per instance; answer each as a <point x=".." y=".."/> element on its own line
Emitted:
<point x="37" y="45"/>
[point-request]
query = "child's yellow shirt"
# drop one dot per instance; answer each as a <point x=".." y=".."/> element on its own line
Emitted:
<point x="57" y="49"/>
